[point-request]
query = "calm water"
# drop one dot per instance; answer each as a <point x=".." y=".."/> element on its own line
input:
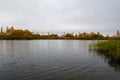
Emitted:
<point x="53" y="60"/>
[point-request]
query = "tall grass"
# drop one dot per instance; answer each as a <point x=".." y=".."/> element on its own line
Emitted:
<point x="109" y="48"/>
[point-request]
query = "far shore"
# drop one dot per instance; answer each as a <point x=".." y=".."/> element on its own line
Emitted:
<point x="19" y="34"/>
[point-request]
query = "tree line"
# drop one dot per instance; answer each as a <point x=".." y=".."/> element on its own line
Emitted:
<point x="14" y="34"/>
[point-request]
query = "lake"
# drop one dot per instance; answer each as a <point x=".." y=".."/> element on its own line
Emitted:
<point x="53" y="60"/>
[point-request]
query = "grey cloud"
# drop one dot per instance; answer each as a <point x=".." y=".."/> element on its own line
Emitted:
<point x="61" y="15"/>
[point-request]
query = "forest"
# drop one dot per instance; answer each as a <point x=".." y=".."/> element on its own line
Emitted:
<point x="19" y="34"/>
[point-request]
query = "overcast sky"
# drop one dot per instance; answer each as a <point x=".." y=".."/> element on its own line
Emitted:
<point x="61" y="15"/>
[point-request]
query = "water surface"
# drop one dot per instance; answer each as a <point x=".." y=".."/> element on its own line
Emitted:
<point x="53" y="60"/>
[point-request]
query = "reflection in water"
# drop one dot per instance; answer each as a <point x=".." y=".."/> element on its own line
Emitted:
<point x="111" y="60"/>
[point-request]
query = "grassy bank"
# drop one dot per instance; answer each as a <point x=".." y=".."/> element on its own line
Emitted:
<point x="110" y="49"/>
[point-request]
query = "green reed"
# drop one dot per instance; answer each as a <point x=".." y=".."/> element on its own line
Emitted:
<point x="110" y="48"/>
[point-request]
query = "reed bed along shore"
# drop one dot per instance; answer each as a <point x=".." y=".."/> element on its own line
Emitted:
<point x="109" y="48"/>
